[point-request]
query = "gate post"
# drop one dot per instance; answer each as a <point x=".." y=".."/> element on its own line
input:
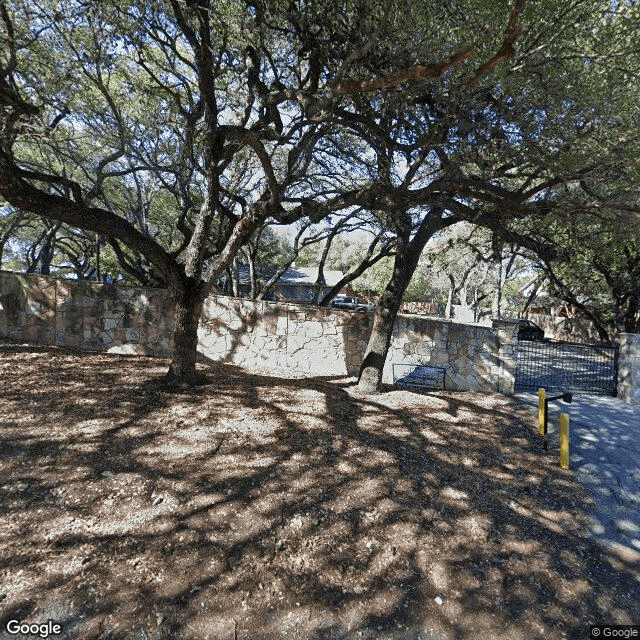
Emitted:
<point x="629" y="368"/>
<point x="507" y="331"/>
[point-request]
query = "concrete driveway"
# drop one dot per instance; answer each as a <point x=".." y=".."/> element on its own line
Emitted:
<point x="605" y="453"/>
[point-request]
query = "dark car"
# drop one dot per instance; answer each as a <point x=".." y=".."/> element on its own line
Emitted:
<point x="344" y="302"/>
<point x="528" y="330"/>
<point x="350" y="303"/>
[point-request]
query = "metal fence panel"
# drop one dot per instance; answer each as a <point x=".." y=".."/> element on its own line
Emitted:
<point x="565" y="366"/>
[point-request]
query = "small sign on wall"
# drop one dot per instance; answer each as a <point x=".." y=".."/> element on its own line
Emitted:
<point x="418" y="377"/>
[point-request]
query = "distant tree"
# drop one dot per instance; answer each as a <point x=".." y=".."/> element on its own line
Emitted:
<point x="10" y="224"/>
<point x="356" y="243"/>
<point x="472" y="266"/>
<point x="375" y="279"/>
<point x="264" y="251"/>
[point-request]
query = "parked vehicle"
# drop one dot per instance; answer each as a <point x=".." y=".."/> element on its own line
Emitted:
<point x="528" y="330"/>
<point x="350" y="303"/>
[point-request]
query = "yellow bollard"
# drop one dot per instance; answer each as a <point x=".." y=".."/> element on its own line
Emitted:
<point x="564" y="440"/>
<point x="541" y="393"/>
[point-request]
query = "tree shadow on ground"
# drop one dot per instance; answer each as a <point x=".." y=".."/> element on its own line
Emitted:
<point x="260" y="508"/>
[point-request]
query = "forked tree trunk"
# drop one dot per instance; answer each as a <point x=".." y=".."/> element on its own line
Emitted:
<point x="188" y="307"/>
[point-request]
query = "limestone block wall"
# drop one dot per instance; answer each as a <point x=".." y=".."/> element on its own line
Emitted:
<point x="299" y="339"/>
<point x="629" y="368"/>
<point x="28" y="308"/>
<point x="87" y="315"/>
<point x="292" y="339"/>
<point x="474" y="357"/>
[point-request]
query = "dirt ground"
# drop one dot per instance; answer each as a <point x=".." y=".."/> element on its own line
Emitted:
<point x="259" y="508"/>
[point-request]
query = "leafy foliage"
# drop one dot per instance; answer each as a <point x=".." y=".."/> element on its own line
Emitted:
<point x="600" y="277"/>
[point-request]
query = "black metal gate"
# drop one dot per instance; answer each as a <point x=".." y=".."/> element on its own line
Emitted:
<point x="566" y="366"/>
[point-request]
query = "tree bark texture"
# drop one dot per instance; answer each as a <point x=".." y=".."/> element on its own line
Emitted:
<point x="372" y="366"/>
<point x="188" y="306"/>
<point x="384" y="318"/>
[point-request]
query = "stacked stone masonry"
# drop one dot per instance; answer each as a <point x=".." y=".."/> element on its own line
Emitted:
<point x="629" y="368"/>
<point x="288" y="339"/>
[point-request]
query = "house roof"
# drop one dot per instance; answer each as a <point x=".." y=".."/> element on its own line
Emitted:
<point x="309" y="275"/>
<point x="294" y="276"/>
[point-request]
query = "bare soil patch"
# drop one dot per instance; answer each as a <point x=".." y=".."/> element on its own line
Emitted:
<point x="258" y="507"/>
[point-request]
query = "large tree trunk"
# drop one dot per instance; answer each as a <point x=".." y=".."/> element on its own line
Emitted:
<point x="496" y="309"/>
<point x="189" y="299"/>
<point x="383" y="320"/>
<point x="631" y="314"/>
<point x="386" y="310"/>
<point x="406" y="261"/>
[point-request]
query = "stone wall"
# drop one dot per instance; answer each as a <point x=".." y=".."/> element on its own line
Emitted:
<point x="629" y="368"/>
<point x="88" y="315"/>
<point x="301" y="340"/>
<point x="292" y="339"/>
